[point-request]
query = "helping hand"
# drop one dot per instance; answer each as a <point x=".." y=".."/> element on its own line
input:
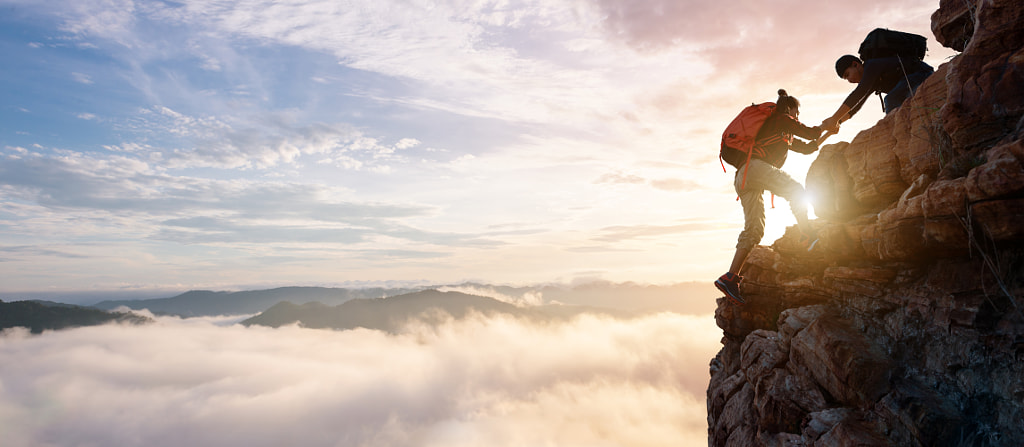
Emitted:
<point x="830" y="125"/>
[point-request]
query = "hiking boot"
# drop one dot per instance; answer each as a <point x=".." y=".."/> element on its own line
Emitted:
<point x="729" y="284"/>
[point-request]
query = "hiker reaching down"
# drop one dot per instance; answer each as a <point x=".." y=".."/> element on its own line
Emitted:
<point x="759" y="170"/>
<point x="890" y="62"/>
<point x="894" y="76"/>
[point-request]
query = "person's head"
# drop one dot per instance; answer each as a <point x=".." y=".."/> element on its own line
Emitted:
<point x="851" y="68"/>
<point x="787" y="104"/>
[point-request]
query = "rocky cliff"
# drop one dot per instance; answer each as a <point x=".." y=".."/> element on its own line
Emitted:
<point x="905" y="324"/>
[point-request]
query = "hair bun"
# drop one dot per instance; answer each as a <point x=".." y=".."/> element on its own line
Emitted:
<point x="782" y="92"/>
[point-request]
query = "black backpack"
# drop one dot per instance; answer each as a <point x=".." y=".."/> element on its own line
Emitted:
<point x="887" y="43"/>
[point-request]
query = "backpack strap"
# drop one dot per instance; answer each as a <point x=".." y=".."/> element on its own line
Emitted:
<point x="746" y="166"/>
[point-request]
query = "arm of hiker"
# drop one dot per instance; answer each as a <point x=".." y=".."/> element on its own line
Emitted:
<point x="873" y="70"/>
<point x="804" y="147"/>
<point x="793" y="126"/>
<point x="831" y="123"/>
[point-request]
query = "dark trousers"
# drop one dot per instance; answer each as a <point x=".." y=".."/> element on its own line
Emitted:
<point x="906" y="87"/>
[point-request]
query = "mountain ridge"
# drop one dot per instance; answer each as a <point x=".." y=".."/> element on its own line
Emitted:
<point x="689" y="297"/>
<point x="392" y="313"/>
<point x="40" y="316"/>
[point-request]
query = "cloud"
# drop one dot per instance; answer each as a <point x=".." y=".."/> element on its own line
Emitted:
<point x="495" y="382"/>
<point x="196" y="210"/>
<point x="81" y="78"/>
<point x="259" y="140"/>
<point x="668" y="184"/>
<point x="530" y="298"/>
<point x="675" y="184"/>
<point x="630" y="232"/>
<point x="39" y="251"/>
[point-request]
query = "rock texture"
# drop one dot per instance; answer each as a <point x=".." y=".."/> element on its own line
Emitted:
<point x="905" y="325"/>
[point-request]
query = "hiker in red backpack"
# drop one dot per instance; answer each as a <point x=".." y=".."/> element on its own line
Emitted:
<point x="758" y="170"/>
<point x="890" y="62"/>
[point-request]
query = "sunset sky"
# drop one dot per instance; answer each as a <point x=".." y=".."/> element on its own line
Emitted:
<point x="173" y="145"/>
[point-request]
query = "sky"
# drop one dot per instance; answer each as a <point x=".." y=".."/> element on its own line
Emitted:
<point x="174" y="145"/>
<point x="481" y="381"/>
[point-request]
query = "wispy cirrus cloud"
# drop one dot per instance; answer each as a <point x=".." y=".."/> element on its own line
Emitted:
<point x="665" y="184"/>
<point x="212" y="210"/>
<point x="256" y="142"/>
<point x="627" y="233"/>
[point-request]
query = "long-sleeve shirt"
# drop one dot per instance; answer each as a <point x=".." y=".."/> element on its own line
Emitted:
<point x="776" y="139"/>
<point x="880" y="76"/>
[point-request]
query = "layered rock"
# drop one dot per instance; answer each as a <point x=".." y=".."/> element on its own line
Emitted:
<point x="905" y="324"/>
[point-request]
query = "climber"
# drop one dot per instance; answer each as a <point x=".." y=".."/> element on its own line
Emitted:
<point x="759" y="170"/>
<point x="875" y="75"/>
<point x="890" y="62"/>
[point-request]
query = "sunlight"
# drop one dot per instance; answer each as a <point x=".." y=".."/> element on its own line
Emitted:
<point x="809" y="201"/>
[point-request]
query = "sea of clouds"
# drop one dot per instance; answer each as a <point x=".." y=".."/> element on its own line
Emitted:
<point x="483" y="381"/>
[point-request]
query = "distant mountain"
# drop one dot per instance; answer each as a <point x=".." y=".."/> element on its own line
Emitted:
<point x="207" y="303"/>
<point x="689" y="298"/>
<point x="39" y="316"/>
<point x="389" y="314"/>
<point x="696" y="298"/>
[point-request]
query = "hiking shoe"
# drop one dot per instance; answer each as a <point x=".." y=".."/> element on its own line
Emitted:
<point x="729" y="284"/>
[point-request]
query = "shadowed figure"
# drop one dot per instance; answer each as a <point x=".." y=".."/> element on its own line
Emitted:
<point x="890" y="62"/>
<point x="759" y="171"/>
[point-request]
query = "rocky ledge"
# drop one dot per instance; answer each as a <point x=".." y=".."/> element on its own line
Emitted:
<point x="905" y="324"/>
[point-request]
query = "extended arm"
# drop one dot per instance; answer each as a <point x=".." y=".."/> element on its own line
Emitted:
<point x="873" y="70"/>
<point x="804" y="147"/>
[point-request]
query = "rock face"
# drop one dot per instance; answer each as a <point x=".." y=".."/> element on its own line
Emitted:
<point x="905" y="325"/>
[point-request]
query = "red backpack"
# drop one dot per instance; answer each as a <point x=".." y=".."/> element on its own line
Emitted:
<point x="741" y="136"/>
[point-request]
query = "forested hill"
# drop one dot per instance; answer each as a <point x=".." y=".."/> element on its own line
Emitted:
<point x="39" y="316"/>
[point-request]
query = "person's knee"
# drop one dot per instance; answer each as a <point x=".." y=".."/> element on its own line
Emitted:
<point x="746" y="244"/>
<point x="749" y="238"/>
<point x="894" y="100"/>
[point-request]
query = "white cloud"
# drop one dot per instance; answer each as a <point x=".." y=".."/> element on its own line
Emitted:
<point x="531" y="298"/>
<point x="258" y="141"/>
<point x="80" y="185"/>
<point x="82" y="78"/>
<point x="495" y="382"/>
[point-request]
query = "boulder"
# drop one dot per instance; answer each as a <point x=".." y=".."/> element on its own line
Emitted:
<point x="953" y="23"/>
<point x="851" y="369"/>
<point x="873" y="165"/>
<point x="986" y="81"/>
<point x="921" y="140"/>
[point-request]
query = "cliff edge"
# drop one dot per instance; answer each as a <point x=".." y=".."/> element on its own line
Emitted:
<point x="905" y="325"/>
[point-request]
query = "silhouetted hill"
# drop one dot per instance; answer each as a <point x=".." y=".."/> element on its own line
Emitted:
<point x="207" y="303"/>
<point x="389" y="314"/>
<point x="38" y="316"/>
<point x="697" y="298"/>
<point x="691" y="298"/>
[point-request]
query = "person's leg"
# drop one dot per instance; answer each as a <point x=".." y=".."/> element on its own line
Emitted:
<point x="752" y="198"/>
<point x="894" y="99"/>
<point x="917" y="78"/>
<point x="781" y="184"/>
<point x="738" y="259"/>
<point x="906" y="87"/>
